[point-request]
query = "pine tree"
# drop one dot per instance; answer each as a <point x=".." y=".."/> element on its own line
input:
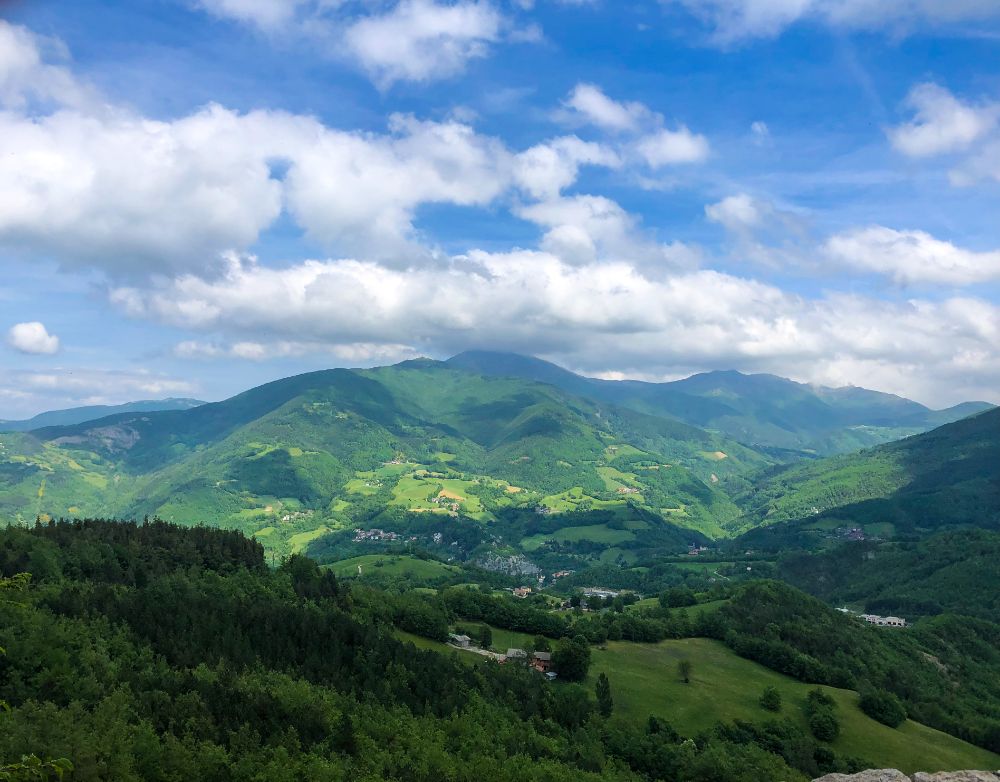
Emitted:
<point x="605" y="703"/>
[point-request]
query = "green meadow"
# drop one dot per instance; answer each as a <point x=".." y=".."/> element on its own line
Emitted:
<point x="725" y="687"/>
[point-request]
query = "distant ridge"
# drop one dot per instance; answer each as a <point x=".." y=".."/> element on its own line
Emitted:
<point x="79" y="415"/>
<point x="764" y="411"/>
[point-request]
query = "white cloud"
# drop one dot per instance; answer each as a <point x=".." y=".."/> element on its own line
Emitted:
<point x="590" y="102"/>
<point x="115" y="190"/>
<point x="265" y="14"/>
<point x="359" y="353"/>
<point x="911" y="257"/>
<point x="603" y="316"/>
<point x="942" y="123"/>
<point x="545" y="169"/>
<point x="651" y="143"/>
<point x="422" y="40"/>
<point x="32" y="338"/>
<point x="586" y="229"/>
<point x="738" y="212"/>
<point x="25" y="393"/>
<point x="734" y="20"/>
<point x="670" y="147"/>
<point x="25" y="76"/>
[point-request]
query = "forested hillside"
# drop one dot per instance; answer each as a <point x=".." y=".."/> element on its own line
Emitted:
<point x="161" y="653"/>
<point x="788" y="419"/>
<point x="943" y="478"/>
<point x="155" y="652"/>
<point x="301" y="457"/>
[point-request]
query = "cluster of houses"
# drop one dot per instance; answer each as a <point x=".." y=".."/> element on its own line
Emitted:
<point x="522" y="592"/>
<point x="875" y="619"/>
<point x="539" y="661"/>
<point x="446" y="502"/>
<point x="371" y="535"/>
<point x="627" y="490"/>
<point x="604" y="594"/>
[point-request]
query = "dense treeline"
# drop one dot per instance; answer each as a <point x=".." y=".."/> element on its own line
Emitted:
<point x="160" y="653"/>
<point x="953" y="571"/>
<point x="944" y="671"/>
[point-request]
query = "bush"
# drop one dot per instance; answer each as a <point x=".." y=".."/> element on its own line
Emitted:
<point x="883" y="706"/>
<point x="770" y="699"/>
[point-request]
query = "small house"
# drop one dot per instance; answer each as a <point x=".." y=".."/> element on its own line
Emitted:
<point x="542" y="661"/>
<point x="516" y="655"/>
<point x="461" y="641"/>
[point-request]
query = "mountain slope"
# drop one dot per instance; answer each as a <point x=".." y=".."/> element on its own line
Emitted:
<point x="343" y="448"/>
<point x="79" y="415"/>
<point x="763" y="411"/>
<point x="942" y="478"/>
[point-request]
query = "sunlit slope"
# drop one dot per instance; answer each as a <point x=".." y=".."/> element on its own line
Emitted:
<point x="945" y="477"/>
<point x="420" y="436"/>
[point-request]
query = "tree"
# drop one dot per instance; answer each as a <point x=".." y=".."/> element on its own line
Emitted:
<point x="684" y="670"/>
<point x="344" y="739"/>
<point x="883" y="706"/>
<point x="820" y="715"/>
<point x="605" y="703"/>
<point x="770" y="699"/>
<point x="572" y="659"/>
<point x="485" y="637"/>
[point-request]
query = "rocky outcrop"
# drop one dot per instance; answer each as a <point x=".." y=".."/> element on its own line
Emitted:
<point x="891" y="775"/>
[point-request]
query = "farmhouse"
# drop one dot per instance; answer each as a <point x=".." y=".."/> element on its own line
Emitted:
<point x="461" y="641"/>
<point x="522" y="592"/>
<point x="515" y="655"/>
<point x="542" y="661"/>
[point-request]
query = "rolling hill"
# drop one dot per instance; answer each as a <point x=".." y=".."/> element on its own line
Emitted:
<point x="79" y="415"/>
<point x="786" y="418"/>
<point x="944" y="478"/>
<point x="338" y="449"/>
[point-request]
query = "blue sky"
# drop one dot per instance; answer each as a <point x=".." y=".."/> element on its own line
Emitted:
<point x="200" y="195"/>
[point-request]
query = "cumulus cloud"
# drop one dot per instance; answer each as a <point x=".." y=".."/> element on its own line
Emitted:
<point x="942" y="123"/>
<point x="421" y="40"/>
<point x="601" y="315"/>
<point x="651" y="143"/>
<point x="131" y="195"/>
<point x="32" y="338"/>
<point x="738" y="212"/>
<point x="546" y="169"/>
<point x="912" y="257"/>
<point x="735" y="20"/>
<point x="590" y="102"/>
<point x="670" y="147"/>
<point x="26" y="76"/>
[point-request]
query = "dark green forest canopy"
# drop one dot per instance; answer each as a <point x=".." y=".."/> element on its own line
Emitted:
<point x="207" y="665"/>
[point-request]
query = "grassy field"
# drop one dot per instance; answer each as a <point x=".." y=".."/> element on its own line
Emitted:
<point x="391" y="565"/>
<point x="724" y="686"/>
<point x="598" y="533"/>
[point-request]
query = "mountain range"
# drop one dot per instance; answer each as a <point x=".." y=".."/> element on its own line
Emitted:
<point x="766" y="412"/>
<point x="79" y="415"/>
<point x="542" y="462"/>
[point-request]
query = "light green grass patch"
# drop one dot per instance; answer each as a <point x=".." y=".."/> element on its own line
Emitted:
<point x="301" y="541"/>
<point x="391" y="565"/>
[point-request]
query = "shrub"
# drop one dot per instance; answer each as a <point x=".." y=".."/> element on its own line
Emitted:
<point x="883" y="706"/>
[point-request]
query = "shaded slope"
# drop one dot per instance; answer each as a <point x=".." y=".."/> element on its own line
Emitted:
<point x="945" y="477"/>
<point x="764" y="411"/>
